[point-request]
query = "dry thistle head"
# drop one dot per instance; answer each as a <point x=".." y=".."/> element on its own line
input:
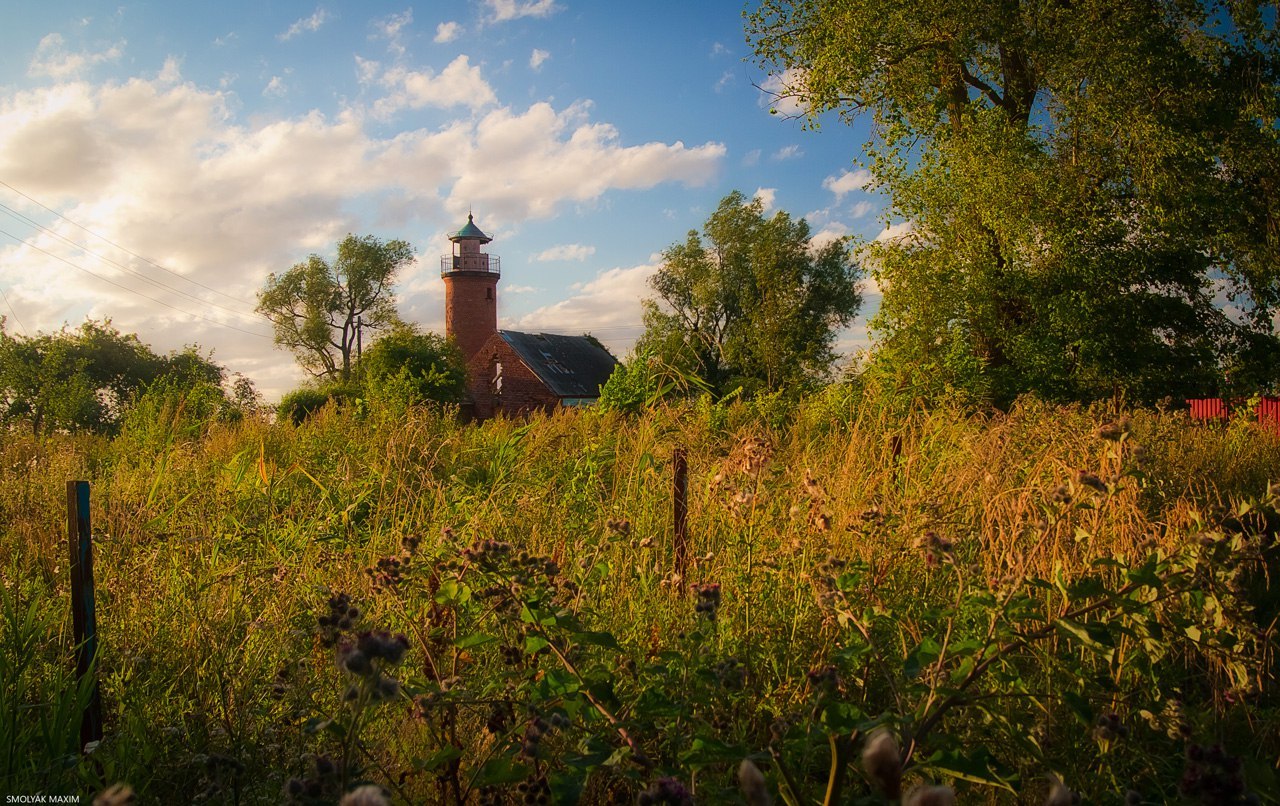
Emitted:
<point x="1087" y="479"/>
<point x="882" y="762"/>
<point x="930" y="796"/>
<point x="665" y="791"/>
<point x="751" y="781"/>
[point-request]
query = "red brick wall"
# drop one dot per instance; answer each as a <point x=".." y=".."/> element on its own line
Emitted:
<point x="470" y="309"/>
<point x="521" y="393"/>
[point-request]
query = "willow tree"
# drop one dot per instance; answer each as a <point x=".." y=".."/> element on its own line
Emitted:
<point x="320" y="309"/>
<point x="1093" y="188"/>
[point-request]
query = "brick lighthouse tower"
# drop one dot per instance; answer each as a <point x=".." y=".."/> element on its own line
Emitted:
<point x="470" y="290"/>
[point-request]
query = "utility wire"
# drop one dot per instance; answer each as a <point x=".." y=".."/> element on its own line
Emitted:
<point x="148" y="261"/>
<point x="4" y="208"/>
<point x="15" y="313"/>
<point x="130" y="290"/>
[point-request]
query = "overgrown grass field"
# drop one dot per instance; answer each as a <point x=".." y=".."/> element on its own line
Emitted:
<point x="1016" y="603"/>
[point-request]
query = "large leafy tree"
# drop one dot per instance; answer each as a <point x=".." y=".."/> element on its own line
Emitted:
<point x="320" y="309"/>
<point x="85" y="379"/>
<point x="1093" y="187"/>
<point x="750" y="301"/>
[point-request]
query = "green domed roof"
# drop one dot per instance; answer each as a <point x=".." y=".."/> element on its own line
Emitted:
<point x="470" y="232"/>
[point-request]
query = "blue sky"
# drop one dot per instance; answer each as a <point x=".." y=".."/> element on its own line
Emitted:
<point x="160" y="159"/>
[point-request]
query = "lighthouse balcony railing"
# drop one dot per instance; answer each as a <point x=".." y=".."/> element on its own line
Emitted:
<point x="490" y="264"/>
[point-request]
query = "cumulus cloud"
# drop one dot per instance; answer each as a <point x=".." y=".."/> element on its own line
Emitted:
<point x="767" y="196"/>
<point x="275" y="88"/>
<point x="505" y="10"/>
<point x="458" y="84"/>
<point x="171" y="170"/>
<point x="52" y="58"/>
<point x="790" y="152"/>
<point x="391" y="28"/>
<point x="847" y="182"/>
<point x="447" y="32"/>
<point x="305" y="25"/>
<point x="784" y="93"/>
<point x="524" y="164"/>
<point x="563" y="252"/>
<point x="608" y="306"/>
<point x="896" y="232"/>
<point x="537" y="58"/>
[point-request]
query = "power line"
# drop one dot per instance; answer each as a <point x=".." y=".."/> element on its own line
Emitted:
<point x="130" y="290"/>
<point x="148" y="261"/>
<point x="15" y="214"/>
<point x="15" y="313"/>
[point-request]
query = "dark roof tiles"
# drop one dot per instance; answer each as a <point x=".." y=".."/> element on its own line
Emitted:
<point x="570" y="366"/>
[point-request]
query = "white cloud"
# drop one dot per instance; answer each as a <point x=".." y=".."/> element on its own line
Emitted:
<point x="225" y="40"/>
<point x="53" y="60"/>
<point x="537" y="58"/>
<point x="718" y="49"/>
<point x="828" y="233"/>
<point x="896" y="232"/>
<point x="608" y="306"/>
<point x="726" y="78"/>
<point x="306" y="25"/>
<point x="766" y="195"/>
<point x="275" y="88"/>
<point x="391" y="28"/>
<point x="172" y="171"/>
<point x="751" y="158"/>
<point x="458" y="84"/>
<point x="505" y="10"/>
<point x="523" y="165"/>
<point x="569" y="251"/>
<point x="784" y="93"/>
<point x="862" y="209"/>
<point x="787" y="153"/>
<point x="447" y="32"/>
<point x="847" y="182"/>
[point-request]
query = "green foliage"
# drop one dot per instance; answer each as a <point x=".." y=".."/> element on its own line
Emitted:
<point x="86" y="379"/>
<point x="756" y="305"/>
<point x="951" y="579"/>
<point x="414" y="368"/>
<point x="1084" y="186"/>
<point x="299" y="404"/>
<point x="320" y="309"/>
<point x="646" y="380"/>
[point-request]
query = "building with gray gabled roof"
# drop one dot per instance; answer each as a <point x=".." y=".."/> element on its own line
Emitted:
<point x="509" y="371"/>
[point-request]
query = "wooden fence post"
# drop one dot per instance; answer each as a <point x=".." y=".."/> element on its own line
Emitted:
<point x="83" y="617"/>
<point x="680" y="512"/>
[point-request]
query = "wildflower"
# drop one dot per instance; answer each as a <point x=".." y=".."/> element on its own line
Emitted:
<point x="1062" y="494"/>
<point x="882" y="762"/>
<point x="751" y="781"/>
<point x="930" y="796"/>
<point x="1212" y="776"/>
<point x="936" y="549"/>
<point x="708" y="595"/>
<point x="367" y="795"/>
<point x="1113" y="432"/>
<point x="665" y="791"/>
<point x="1088" y="479"/>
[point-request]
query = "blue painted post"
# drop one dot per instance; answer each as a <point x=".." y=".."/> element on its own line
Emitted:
<point x="83" y="616"/>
